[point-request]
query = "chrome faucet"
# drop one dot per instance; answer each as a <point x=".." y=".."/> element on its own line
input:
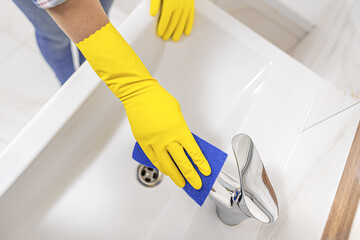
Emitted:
<point x="250" y="196"/>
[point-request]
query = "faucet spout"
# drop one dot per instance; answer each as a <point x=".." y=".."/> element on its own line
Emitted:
<point x="249" y="196"/>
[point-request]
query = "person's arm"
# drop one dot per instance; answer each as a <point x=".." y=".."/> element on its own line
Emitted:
<point x="79" y="18"/>
<point x="154" y="115"/>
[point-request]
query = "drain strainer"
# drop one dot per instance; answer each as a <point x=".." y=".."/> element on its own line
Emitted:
<point x="148" y="177"/>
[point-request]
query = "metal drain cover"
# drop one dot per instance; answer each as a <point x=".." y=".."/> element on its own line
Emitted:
<point x="148" y="177"/>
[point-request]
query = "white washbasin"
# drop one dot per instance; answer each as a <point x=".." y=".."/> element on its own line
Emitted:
<point x="69" y="173"/>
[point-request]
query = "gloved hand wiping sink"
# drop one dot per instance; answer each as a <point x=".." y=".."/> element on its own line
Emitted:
<point x="215" y="157"/>
<point x="154" y="115"/>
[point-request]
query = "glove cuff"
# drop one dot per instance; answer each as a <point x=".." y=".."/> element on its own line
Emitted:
<point x="115" y="62"/>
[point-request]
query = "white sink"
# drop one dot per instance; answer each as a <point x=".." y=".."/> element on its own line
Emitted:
<point x="69" y="173"/>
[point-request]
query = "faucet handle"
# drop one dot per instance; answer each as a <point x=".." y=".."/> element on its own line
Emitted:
<point x="249" y="196"/>
<point x="258" y="199"/>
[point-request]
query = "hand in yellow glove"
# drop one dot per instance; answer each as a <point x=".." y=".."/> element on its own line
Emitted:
<point x="154" y="115"/>
<point x="177" y="16"/>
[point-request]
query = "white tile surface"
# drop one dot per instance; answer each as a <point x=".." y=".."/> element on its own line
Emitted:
<point x="332" y="48"/>
<point x="8" y="45"/>
<point x="31" y="43"/>
<point x="308" y="185"/>
<point x="230" y="5"/>
<point x="26" y="83"/>
<point x="330" y="100"/>
<point x="264" y="27"/>
<point x="309" y="9"/>
<point x="13" y="21"/>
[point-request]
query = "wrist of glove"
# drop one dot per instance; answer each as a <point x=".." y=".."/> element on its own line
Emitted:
<point x="154" y="115"/>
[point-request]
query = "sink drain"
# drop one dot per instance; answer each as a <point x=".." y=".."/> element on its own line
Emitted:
<point x="148" y="177"/>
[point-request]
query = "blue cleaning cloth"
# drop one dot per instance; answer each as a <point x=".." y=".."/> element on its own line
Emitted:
<point x="215" y="157"/>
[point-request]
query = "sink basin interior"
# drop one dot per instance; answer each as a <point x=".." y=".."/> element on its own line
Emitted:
<point x="212" y="75"/>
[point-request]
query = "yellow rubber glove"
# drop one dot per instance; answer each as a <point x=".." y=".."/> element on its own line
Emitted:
<point x="177" y="16"/>
<point x="154" y="115"/>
